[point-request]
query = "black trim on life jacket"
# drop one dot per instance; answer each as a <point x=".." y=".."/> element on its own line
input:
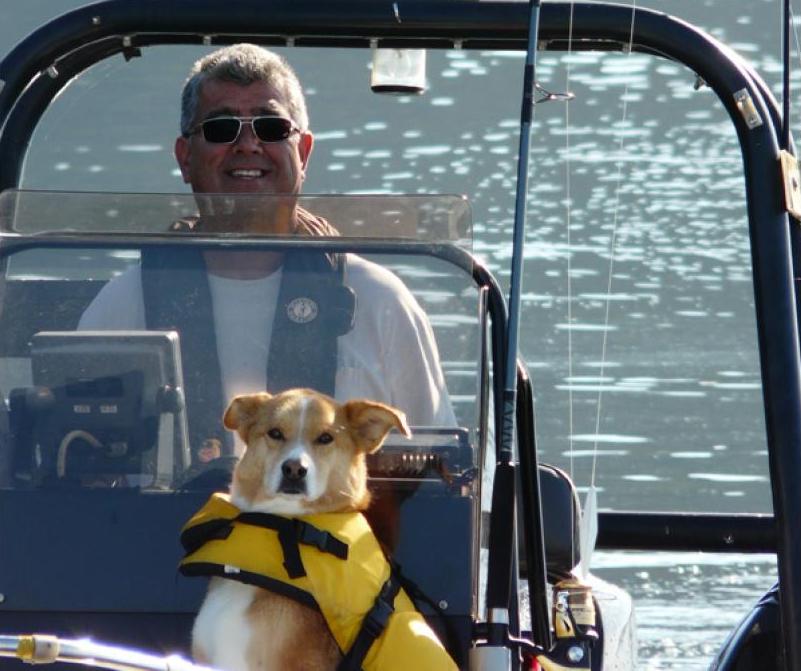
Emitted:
<point x="292" y="533"/>
<point x="195" y="537"/>
<point x="373" y="625"/>
<point x="314" y="308"/>
<point x="208" y="570"/>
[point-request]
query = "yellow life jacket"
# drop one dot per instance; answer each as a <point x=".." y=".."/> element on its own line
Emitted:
<point x="330" y="562"/>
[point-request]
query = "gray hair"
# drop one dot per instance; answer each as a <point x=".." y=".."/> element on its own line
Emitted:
<point x="244" y="64"/>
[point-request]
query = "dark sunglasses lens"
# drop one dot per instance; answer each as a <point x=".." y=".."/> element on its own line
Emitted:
<point x="220" y="130"/>
<point x="272" y="128"/>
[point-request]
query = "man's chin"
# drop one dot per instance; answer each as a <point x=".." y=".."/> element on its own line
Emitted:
<point x="261" y="185"/>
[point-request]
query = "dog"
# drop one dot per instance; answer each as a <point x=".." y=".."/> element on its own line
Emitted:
<point x="304" y="456"/>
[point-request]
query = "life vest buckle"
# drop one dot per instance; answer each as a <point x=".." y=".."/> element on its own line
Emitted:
<point x="322" y="540"/>
<point x="378" y="616"/>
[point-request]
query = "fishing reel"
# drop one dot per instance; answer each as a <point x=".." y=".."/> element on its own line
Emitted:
<point x="574" y="624"/>
<point x="576" y="637"/>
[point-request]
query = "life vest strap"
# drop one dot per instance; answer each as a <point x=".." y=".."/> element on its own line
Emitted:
<point x="210" y="569"/>
<point x="195" y="537"/>
<point x="373" y="625"/>
<point x="293" y="532"/>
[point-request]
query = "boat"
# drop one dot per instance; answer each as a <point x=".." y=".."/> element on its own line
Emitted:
<point x="101" y="466"/>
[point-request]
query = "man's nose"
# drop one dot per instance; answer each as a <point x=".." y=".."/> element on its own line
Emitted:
<point x="247" y="140"/>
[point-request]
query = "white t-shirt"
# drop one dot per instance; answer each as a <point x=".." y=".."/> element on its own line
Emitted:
<point x="390" y="355"/>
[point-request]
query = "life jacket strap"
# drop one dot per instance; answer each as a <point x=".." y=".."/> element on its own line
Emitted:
<point x="373" y="625"/>
<point x="195" y="537"/>
<point x="292" y="533"/>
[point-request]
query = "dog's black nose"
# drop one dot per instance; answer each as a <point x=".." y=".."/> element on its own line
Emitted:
<point x="293" y="470"/>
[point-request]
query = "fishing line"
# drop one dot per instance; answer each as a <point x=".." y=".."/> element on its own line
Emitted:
<point x="612" y="246"/>
<point x="795" y="34"/>
<point x="568" y="191"/>
<point x="588" y="531"/>
<point x="786" y="14"/>
<point x="569" y="252"/>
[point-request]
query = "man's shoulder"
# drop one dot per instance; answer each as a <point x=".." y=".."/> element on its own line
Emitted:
<point x="368" y="277"/>
<point x="129" y="280"/>
<point x="118" y="304"/>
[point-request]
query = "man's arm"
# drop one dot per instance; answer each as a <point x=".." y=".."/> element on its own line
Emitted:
<point x="407" y="351"/>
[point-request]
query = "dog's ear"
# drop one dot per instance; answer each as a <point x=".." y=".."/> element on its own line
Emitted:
<point x="243" y="411"/>
<point x="371" y="422"/>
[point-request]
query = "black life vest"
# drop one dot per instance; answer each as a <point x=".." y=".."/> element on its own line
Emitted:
<point x="303" y="353"/>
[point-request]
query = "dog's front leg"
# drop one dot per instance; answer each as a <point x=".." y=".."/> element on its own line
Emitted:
<point x="222" y="633"/>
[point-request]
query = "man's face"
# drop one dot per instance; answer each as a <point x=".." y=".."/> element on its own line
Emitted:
<point x="248" y="165"/>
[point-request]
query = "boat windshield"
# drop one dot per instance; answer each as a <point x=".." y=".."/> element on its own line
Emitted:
<point x="218" y="295"/>
<point x="435" y="219"/>
<point x="131" y="321"/>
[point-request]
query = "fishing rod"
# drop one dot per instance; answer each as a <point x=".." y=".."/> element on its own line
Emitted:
<point x="502" y="538"/>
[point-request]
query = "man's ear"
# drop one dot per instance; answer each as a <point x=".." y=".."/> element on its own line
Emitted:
<point x="243" y="411"/>
<point x="182" y="152"/>
<point x="370" y="422"/>
<point x="305" y="146"/>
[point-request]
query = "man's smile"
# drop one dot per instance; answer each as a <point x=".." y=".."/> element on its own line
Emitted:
<point x="246" y="173"/>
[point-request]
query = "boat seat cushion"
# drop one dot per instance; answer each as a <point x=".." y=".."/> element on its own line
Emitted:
<point x="561" y="514"/>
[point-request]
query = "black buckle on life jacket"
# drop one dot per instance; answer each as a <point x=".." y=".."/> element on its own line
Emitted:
<point x="292" y="533"/>
<point x="378" y="616"/>
<point x="322" y="540"/>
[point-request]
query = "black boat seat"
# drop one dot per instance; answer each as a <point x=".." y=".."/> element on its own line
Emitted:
<point x="561" y="514"/>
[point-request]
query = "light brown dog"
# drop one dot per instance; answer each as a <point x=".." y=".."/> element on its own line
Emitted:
<point x="305" y="454"/>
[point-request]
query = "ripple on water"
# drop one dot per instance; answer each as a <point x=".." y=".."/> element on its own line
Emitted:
<point x="427" y="150"/>
<point x="609" y="438"/>
<point x="595" y="453"/>
<point x="140" y="148"/>
<point x="586" y="327"/>
<point x="727" y="477"/>
<point x="330" y="135"/>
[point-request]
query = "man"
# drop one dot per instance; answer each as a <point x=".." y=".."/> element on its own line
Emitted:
<point x="245" y="130"/>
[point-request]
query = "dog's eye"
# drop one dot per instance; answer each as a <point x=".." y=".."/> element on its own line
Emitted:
<point x="325" y="438"/>
<point x="275" y="434"/>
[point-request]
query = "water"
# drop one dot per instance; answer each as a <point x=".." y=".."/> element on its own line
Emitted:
<point x="641" y="157"/>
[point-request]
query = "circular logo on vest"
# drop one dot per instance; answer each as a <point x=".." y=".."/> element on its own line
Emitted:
<point x="302" y="310"/>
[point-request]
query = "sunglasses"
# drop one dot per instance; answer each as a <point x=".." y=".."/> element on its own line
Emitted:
<point x="226" y="129"/>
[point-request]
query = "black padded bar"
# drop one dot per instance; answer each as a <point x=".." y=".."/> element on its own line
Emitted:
<point x="691" y="532"/>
